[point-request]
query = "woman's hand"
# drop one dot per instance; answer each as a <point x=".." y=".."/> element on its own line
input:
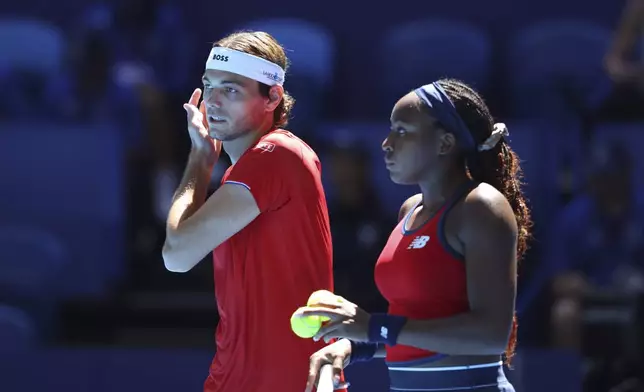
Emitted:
<point x="346" y="320"/>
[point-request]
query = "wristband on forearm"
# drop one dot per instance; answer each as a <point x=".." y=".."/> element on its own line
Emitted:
<point x="385" y="328"/>
<point x="362" y="351"/>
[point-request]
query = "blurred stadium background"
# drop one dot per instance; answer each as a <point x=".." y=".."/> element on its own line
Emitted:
<point x="93" y="142"/>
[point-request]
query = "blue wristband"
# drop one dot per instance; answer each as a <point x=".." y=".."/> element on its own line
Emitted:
<point x="385" y="328"/>
<point x="362" y="351"/>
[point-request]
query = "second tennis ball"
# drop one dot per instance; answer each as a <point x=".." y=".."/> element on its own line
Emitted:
<point x="305" y="327"/>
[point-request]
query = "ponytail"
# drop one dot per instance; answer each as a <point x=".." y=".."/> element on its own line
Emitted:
<point x="500" y="168"/>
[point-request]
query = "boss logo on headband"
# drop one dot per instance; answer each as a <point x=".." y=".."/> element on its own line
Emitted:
<point x="220" y="57"/>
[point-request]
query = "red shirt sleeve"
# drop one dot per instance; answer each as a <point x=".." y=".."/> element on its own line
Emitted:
<point x="263" y="170"/>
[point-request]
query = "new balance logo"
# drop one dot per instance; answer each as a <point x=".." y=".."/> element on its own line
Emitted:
<point x="419" y="242"/>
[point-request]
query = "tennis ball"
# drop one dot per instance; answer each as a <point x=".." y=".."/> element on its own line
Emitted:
<point x="305" y="327"/>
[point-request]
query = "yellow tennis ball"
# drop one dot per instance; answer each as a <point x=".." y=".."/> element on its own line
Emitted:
<point x="305" y="327"/>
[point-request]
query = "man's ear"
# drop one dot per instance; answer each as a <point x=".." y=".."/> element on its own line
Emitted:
<point x="275" y="95"/>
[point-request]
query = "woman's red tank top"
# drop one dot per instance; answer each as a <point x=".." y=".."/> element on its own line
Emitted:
<point x="422" y="277"/>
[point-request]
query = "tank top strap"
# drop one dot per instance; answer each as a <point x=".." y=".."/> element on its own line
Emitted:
<point x="461" y="193"/>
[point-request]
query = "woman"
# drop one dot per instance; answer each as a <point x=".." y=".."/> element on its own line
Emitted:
<point x="448" y="270"/>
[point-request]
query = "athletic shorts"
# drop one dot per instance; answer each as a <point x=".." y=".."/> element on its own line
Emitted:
<point x="481" y="378"/>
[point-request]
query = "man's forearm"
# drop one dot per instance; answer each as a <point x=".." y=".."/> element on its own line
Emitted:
<point x="191" y="193"/>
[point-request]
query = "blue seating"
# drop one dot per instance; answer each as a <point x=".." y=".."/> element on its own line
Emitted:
<point x="32" y="54"/>
<point x="17" y="330"/>
<point x="555" y="68"/>
<point x="631" y="136"/>
<point x="31" y="261"/>
<point x="311" y="51"/>
<point x="310" y="47"/>
<point x="69" y="180"/>
<point x="542" y="162"/>
<point x="526" y="139"/>
<point x="423" y="51"/>
<point x="30" y="45"/>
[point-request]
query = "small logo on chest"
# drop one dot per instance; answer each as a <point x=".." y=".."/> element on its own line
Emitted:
<point x="419" y="242"/>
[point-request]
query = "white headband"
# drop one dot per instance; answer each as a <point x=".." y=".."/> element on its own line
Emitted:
<point x="244" y="64"/>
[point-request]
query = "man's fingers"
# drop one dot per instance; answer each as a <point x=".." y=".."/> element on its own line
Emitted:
<point x="202" y="109"/>
<point x="194" y="98"/>
<point x="190" y="111"/>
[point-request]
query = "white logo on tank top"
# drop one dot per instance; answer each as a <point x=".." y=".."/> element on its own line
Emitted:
<point x="419" y="242"/>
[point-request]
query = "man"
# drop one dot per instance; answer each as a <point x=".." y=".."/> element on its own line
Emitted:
<point x="267" y="223"/>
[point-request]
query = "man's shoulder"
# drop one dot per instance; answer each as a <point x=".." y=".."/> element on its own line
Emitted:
<point x="285" y="144"/>
<point x="282" y="137"/>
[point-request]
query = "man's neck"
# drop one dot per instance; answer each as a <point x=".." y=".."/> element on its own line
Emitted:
<point x="236" y="148"/>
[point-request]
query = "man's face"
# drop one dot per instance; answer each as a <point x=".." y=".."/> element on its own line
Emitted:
<point x="234" y="105"/>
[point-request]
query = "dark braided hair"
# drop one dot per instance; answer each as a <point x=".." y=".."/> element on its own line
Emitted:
<point x="498" y="167"/>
